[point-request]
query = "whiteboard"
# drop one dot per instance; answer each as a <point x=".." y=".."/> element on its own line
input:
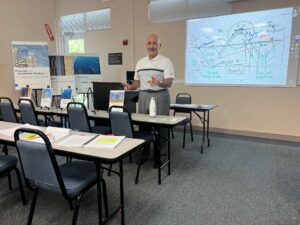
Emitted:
<point x="247" y="49"/>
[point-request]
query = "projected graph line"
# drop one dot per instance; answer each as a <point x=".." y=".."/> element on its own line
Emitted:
<point x="254" y="47"/>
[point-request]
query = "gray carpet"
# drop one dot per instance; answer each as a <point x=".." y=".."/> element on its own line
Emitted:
<point x="237" y="181"/>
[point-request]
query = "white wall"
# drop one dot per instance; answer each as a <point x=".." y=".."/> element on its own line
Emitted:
<point x="107" y="41"/>
<point x="21" y="21"/>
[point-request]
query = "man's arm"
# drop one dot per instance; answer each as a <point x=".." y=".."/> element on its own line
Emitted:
<point x="165" y="83"/>
<point x="133" y="86"/>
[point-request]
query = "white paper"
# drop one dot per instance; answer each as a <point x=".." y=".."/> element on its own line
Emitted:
<point x="53" y="133"/>
<point x="76" y="140"/>
<point x="56" y="133"/>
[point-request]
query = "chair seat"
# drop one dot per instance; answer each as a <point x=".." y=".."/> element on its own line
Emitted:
<point x="185" y="121"/>
<point x="50" y="123"/>
<point x="100" y="130"/>
<point x="78" y="175"/>
<point x="145" y="135"/>
<point x="7" y="162"/>
<point x="42" y="123"/>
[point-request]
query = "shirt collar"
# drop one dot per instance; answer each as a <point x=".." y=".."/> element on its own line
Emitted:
<point x="155" y="58"/>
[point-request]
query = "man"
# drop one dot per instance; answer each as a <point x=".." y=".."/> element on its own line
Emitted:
<point x="154" y="74"/>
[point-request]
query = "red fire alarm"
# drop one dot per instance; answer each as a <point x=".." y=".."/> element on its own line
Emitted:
<point x="49" y="32"/>
<point x="125" y="42"/>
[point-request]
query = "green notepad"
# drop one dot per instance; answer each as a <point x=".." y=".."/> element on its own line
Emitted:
<point x="104" y="141"/>
<point x="107" y="140"/>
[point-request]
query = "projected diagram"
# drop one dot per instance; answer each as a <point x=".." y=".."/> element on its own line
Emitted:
<point x="249" y="48"/>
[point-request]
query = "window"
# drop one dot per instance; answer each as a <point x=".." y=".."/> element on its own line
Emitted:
<point x="87" y="21"/>
<point x="76" y="45"/>
<point x="73" y="43"/>
<point x="161" y="11"/>
<point x="74" y="26"/>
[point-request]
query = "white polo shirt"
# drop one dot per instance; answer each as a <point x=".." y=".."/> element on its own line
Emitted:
<point x="160" y="67"/>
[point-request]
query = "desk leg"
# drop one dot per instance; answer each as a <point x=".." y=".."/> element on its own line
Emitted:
<point x="207" y="131"/>
<point x="121" y="193"/>
<point x="162" y="164"/>
<point x="169" y="152"/>
<point x="99" y="193"/>
<point x="158" y="154"/>
<point x="203" y="131"/>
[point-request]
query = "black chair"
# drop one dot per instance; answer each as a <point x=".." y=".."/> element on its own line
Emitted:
<point x="121" y="125"/>
<point x="184" y="98"/>
<point x="9" y="115"/>
<point x="78" y="119"/>
<point x="7" y="164"/>
<point x="41" y="171"/>
<point x="7" y="110"/>
<point x="28" y="112"/>
<point x="29" y="115"/>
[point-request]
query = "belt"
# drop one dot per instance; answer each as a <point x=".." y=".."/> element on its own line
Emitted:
<point x="153" y="91"/>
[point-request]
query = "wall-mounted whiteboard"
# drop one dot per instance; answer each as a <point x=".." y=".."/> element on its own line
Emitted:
<point x="253" y="48"/>
<point x="31" y="64"/>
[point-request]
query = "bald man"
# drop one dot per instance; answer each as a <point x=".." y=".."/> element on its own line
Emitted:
<point x="154" y="74"/>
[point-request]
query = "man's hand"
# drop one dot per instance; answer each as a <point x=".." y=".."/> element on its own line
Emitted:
<point x="127" y="87"/>
<point x="133" y="86"/>
<point x="154" y="81"/>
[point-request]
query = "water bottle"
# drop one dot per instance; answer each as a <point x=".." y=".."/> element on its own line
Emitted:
<point x="152" y="108"/>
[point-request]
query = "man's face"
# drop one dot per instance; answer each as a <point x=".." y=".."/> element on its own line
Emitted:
<point x="153" y="46"/>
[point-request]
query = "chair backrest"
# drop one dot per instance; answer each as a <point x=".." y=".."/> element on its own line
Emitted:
<point x="183" y="98"/>
<point x="38" y="163"/>
<point x="121" y="122"/>
<point x="78" y="117"/>
<point x="27" y="111"/>
<point x="7" y="110"/>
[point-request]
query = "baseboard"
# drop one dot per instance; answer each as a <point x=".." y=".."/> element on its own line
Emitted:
<point x="279" y="137"/>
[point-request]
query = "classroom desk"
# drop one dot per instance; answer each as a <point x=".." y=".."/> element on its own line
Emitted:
<point x="138" y="119"/>
<point x="197" y="109"/>
<point x="98" y="156"/>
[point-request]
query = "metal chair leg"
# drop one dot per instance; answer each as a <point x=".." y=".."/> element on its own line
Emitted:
<point x="76" y="210"/>
<point x="183" y="144"/>
<point x="191" y="129"/>
<point x="110" y="167"/>
<point x="172" y="133"/>
<point x="139" y="166"/>
<point x="32" y="207"/>
<point x="5" y="150"/>
<point x="104" y="197"/>
<point x="20" y="186"/>
<point x="71" y="204"/>
<point x="9" y="181"/>
<point x="130" y="158"/>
